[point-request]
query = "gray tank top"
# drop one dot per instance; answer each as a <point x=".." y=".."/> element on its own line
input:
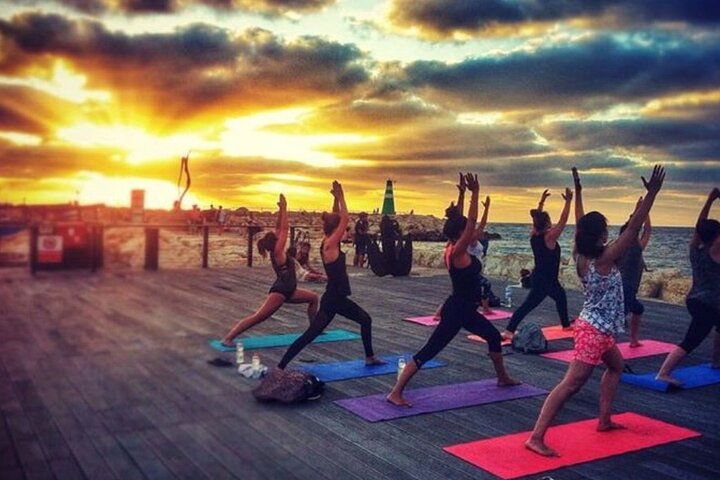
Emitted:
<point x="706" y="278"/>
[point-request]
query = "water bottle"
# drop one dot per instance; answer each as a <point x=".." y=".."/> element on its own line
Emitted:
<point x="239" y="353"/>
<point x="256" y="365"/>
<point x="401" y="366"/>
<point x="508" y="296"/>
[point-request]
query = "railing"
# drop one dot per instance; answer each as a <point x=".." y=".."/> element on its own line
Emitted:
<point x="148" y="246"/>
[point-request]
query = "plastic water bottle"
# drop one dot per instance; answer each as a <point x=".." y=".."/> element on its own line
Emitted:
<point x="401" y="366"/>
<point x="256" y="365"/>
<point x="239" y="353"/>
<point x="508" y="296"/>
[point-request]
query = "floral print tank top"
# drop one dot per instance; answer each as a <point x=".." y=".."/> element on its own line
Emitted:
<point x="603" y="307"/>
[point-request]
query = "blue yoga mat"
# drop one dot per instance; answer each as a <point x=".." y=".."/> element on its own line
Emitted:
<point x="268" y="341"/>
<point x="692" y="377"/>
<point x="332" y="372"/>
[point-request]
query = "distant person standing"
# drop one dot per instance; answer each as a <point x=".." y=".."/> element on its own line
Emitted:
<point x="221" y="219"/>
<point x="631" y="266"/>
<point x="362" y="239"/>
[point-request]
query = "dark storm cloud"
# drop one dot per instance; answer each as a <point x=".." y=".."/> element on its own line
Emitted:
<point x="193" y="71"/>
<point x="446" y="18"/>
<point x="588" y="74"/>
<point x="683" y="140"/>
<point x="265" y="7"/>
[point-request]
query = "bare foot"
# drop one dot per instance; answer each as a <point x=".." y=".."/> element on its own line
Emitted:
<point x="540" y="448"/>
<point x="508" y="382"/>
<point x="369" y="361"/>
<point x="488" y="312"/>
<point x="667" y="378"/>
<point x="606" y="427"/>
<point x="228" y="344"/>
<point x="436" y="318"/>
<point x="507" y="335"/>
<point x="398" y="400"/>
<point x="568" y="329"/>
<point x="635" y="344"/>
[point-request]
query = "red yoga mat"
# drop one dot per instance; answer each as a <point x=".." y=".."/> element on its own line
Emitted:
<point x="551" y="333"/>
<point x="576" y="443"/>
<point x="429" y="321"/>
<point x="647" y="349"/>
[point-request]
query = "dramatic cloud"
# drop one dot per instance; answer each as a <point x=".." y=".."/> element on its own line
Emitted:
<point x="196" y="71"/>
<point x="588" y="74"/>
<point x="442" y="19"/>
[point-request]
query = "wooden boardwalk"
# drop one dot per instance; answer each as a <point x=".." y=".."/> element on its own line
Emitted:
<point x="105" y="376"/>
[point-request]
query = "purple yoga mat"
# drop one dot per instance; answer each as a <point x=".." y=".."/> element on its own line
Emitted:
<point x="647" y="349"/>
<point x="375" y="408"/>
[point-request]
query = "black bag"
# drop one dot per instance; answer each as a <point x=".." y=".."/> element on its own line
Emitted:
<point x="289" y="386"/>
<point x="530" y="339"/>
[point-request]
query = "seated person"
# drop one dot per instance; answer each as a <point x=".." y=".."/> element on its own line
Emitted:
<point x="304" y="272"/>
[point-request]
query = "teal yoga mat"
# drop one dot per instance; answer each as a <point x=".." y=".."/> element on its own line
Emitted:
<point x="692" y="377"/>
<point x="285" y="340"/>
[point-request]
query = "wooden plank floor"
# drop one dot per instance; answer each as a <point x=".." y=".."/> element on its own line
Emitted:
<point x="105" y="376"/>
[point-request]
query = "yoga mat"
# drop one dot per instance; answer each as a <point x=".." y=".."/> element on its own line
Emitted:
<point x="647" y="349"/>
<point x="331" y="372"/>
<point x="693" y="377"/>
<point x="498" y="314"/>
<point x="267" y="341"/>
<point x="551" y="333"/>
<point x="576" y="443"/>
<point x="375" y="408"/>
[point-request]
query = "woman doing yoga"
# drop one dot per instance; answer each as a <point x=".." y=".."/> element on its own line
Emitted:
<point x="602" y="316"/>
<point x="703" y="300"/>
<point x="285" y="287"/>
<point x="335" y="299"/>
<point x="460" y="308"/>
<point x="546" y="251"/>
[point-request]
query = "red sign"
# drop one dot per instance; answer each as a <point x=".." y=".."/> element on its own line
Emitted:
<point x="50" y="248"/>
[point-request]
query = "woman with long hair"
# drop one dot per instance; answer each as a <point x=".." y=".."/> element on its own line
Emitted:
<point x="460" y="308"/>
<point x="602" y="316"/>
<point x="546" y="252"/>
<point x="285" y="287"/>
<point x="703" y="299"/>
<point x="335" y="299"/>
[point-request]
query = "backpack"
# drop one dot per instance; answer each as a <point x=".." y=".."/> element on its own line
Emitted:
<point x="530" y="339"/>
<point x="289" y="386"/>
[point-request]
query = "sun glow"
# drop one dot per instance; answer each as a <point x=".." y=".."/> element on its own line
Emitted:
<point x="115" y="191"/>
<point x="253" y="136"/>
<point x="139" y="145"/>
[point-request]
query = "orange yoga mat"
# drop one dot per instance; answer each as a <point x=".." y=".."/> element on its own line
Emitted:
<point x="551" y="333"/>
<point x="576" y="443"/>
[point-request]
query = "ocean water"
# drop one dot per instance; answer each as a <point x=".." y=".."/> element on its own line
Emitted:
<point x="667" y="250"/>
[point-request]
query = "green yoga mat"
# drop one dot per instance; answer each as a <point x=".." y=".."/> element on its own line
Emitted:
<point x="285" y="340"/>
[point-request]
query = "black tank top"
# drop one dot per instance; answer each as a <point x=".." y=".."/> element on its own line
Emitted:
<point x="286" y="279"/>
<point x="547" y="262"/>
<point x="338" y="282"/>
<point x="465" y="281"/>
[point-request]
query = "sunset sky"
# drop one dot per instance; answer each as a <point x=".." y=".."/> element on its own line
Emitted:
<point x="98" y="97"/>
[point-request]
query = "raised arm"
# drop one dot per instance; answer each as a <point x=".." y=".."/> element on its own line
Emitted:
<point x="281" y="230"/>
<point x="647" y="231"/>
<point x="338" y="200"/>
<point x="543" y="197"/>
<point x="554" y="233"/>
<point x="466" y="237"/>
<point x="712" y="196"/>
<point x="579" y="208"/>
<point x="461" y="186"/>
<point x="483" y="221"/>
<point x="617" y="248"/>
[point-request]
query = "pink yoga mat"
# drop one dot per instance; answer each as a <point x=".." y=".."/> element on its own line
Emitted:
<point x="551" y="333"/>
<point x="576" y="443"/>
<point x="648" y="348"/>
<point x="498" y="314"/>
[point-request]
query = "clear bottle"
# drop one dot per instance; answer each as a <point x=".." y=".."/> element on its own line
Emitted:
<point x="401" y="366"/>
<point x="239" y="353"/>
<point x="255" y="365"/>
<point x="508" y="296"/>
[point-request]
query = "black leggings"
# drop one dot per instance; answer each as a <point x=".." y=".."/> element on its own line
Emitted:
<point x="457" y="314"/>
<point x="330" y="305"/>
<point x="541" y="289"/>
<point x="704" y="318"/>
